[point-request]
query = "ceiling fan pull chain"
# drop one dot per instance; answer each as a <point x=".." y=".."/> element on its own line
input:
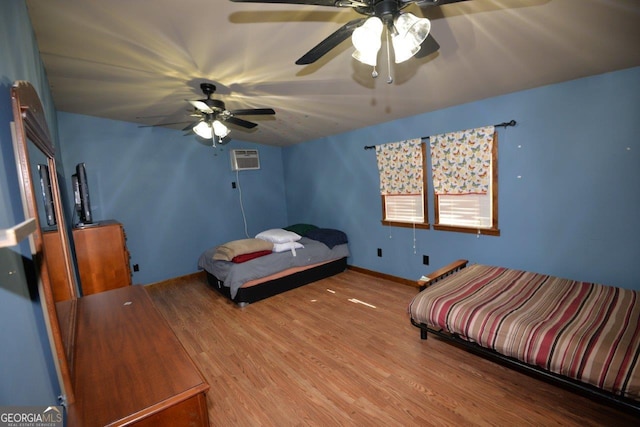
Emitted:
<point x="389" y="78"/>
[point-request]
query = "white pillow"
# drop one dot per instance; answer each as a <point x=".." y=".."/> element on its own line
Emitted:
<point x="292" y="246"/>
<point x="278" y="235"/>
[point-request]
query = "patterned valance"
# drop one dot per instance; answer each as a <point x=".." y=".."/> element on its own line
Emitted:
<point x="400" y="165"/>
<point x="461" y="161"/>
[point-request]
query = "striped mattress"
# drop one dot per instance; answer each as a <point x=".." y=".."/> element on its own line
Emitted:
<point x="584" y="331"/>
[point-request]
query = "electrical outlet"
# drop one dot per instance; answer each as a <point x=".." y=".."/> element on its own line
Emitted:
<point x="136" y="267"/>
<point x="425" y="259"/>
<point x="379" y="252"/>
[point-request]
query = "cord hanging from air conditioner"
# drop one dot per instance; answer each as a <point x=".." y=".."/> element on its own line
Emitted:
<point x="244" y="218"/>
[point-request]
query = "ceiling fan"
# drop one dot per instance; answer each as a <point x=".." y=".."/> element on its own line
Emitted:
<point x="212" y="115"/>
<point x="409" y="33"/>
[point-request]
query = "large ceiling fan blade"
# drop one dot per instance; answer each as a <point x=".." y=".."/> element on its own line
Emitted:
<point x="253" y="112"/>
<point x="201" y="105"/>
<point x="322" y="48"/>
<point x="240" y="122"/>
<point x="428" y="46"/>
<point x="333" y="3"/>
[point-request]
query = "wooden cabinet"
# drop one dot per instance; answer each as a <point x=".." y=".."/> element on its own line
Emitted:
<point x="102" y="257"/>
<point x="129" y="366"/>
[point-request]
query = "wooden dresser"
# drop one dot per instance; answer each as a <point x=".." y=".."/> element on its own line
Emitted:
<point x="129" y="367"/>
<point x="102" y="257"/>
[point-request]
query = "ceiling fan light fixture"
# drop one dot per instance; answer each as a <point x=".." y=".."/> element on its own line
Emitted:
<point x="219" y="129"/>
<point x="411" y="31"/>
<point x="369" y="58"/>
<point x="402" y="51"/>
<point x="203" y="130"/>
<point x="367" y="41"/>
<point x="207" y="130"/>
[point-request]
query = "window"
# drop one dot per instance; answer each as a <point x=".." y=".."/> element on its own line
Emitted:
<point x="465" y="177"/>
<point x="403" y="183"/>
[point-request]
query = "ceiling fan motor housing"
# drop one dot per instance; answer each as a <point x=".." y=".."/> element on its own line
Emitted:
<point x="215" y="104"/>
<point x="386" y="10"/>
<point x="207" y="88"/>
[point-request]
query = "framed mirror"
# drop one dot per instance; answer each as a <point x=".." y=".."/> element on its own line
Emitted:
<point x="43" y="187"/>
<point x="52" y="254"/>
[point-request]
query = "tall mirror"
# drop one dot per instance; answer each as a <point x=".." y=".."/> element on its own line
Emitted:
<point x="52" y="254"/>
<point x="41" y="180"/>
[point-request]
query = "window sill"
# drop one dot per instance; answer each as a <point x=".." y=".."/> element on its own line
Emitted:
<point x="423" y="225"/>
<point x="470" y="230"/>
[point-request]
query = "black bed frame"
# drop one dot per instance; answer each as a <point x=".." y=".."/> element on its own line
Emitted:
<point x="595" y="393"/>
<point x="273" y="287"/>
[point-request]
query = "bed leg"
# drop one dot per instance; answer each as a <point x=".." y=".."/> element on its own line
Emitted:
<point x="423" y="334"/>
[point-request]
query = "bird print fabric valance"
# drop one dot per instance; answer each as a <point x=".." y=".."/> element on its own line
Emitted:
<point x="461" y="161"/>
<point x="400" y="165"/>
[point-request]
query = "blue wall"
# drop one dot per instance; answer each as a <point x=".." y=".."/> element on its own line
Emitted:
<point x="569" y="173"/>
<point x="27" y="374"/>
<point x="172" y="194"/>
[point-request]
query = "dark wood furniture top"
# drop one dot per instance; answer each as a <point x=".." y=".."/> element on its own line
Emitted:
<point x="129" y="366"/>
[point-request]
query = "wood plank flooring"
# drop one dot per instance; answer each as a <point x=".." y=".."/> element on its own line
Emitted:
<point x="311" y="357"/>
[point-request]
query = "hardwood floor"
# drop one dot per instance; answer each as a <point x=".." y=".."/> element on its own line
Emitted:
<point x="312" y="357"/>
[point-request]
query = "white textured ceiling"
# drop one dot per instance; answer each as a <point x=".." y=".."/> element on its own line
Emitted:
<point x="139" y="60"/>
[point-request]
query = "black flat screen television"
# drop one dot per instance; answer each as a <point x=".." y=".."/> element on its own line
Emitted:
<point x="47" y="196"/>
<point x="81" y="195"/>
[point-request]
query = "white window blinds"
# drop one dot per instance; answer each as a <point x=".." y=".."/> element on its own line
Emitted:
<point x="465" y="210"/>
<point x="404" y="208"/>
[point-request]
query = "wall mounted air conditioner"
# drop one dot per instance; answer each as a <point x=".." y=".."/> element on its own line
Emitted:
<point x="244" y="160"/>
